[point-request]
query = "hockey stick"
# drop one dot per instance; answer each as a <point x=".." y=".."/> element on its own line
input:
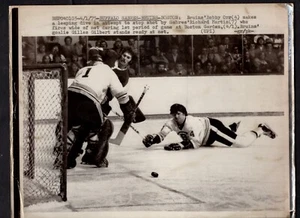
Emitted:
<point x="132" y="127"/>
<point x="124" y="128"/>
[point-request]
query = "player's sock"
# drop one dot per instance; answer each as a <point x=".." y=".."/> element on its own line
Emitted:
<point x="245" y="139"/>
<point x="258" y="132"/>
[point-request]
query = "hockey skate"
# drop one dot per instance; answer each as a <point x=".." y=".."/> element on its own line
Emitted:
<point x="267" y="131"/>
<point x="89" y="159"/>
<point x="71" y="164"/>
<point x="71" y="159"/>
<point x="94" y="155"/>
<point x="89" y="155"/>
<point x="103" y="163"/>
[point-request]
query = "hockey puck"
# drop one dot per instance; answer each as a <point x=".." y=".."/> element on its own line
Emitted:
<point x="154" y="174"/>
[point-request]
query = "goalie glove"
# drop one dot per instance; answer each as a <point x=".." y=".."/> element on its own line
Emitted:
<point x="139" y="116"/>
<point x="150" y="140"/>
<point x="128" y="112"/>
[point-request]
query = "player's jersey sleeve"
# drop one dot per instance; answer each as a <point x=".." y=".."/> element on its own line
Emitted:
<point x="166" y="129"/>
<point x="118" y="90"/>
<point x="122" y="74"/>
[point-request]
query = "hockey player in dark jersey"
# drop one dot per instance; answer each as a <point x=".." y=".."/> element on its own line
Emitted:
<point x="203" y="131"/>
<point x="121" y="68"/>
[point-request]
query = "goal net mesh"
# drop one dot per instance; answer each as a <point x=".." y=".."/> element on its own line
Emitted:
<point x="44" y="129"/>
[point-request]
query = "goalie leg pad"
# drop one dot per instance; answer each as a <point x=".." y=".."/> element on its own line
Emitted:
<point x="76" y="146"/>
<point x="92" y="144"/>
<point x="58" y="148"/>
<point x="139" y="116"/>
<point x="97" y="150"/>
<point x="104" y="136"/>
<point x="89" y="155"/>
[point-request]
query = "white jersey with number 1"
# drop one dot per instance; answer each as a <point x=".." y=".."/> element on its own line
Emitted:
<point x="93" y="82"/>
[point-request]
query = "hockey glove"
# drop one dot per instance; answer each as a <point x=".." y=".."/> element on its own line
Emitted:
<point x="178" y="146"/>
<point x="150" y="140"/>
<point x="173" y="147"/>
<point x="187" y="144"/>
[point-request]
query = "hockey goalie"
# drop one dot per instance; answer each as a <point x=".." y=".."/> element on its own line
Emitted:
<point x="86" y="121"/>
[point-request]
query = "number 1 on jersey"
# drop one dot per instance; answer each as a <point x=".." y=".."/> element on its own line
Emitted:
<point x="87" y="73"/>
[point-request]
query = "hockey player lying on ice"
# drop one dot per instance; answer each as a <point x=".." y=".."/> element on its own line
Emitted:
<point x="203" y="131"/>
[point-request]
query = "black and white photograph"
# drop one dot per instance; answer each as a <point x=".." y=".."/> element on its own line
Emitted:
<point x="156" y="111"/>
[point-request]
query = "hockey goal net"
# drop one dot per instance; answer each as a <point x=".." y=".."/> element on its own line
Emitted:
<point x="44" y="105"/>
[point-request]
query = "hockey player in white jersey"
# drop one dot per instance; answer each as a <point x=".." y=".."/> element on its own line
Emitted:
<point x="85" y="96"/>
<point x="203" y="131"/>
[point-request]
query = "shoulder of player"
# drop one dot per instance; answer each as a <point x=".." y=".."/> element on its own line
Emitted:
<point x="191" y="119"/>
<point x="86" y="67"/>
<point x="170" y="123"/>
<point x="83" y="69"/>
<point x="102" y="66"/>
<point x="116" y="67"/>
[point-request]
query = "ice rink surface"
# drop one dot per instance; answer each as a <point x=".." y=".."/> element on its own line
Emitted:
<point x="217" y="178"/>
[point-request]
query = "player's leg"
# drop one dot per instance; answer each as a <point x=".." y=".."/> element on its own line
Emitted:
<point x="75" y="134"/>
<point x="75" y="146"/>
<point x="58" y="149"/>
<point x="98" y="146"/>
<point x="225" y="136"/>
<point x="82" y="112"/>
<point x="248" y="138"/>
<point x="72" y="121"/>
<point x="104" y="136"/>
<point x="219" y="132"/>
<point x="101" y="130"/>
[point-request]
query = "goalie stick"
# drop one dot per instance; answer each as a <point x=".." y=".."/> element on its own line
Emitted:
<point x="132" y="127"/>
<point x="124" y="128"/>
